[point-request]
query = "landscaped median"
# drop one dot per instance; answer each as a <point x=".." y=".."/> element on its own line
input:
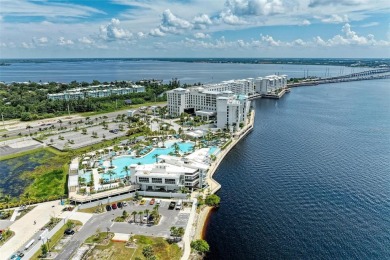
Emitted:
<point x="56" y="238"/>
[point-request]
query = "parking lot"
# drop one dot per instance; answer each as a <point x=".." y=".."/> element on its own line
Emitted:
<point x="81" y="140"/>
<point x="104" y="222"/>
<point x="169" y="218"/>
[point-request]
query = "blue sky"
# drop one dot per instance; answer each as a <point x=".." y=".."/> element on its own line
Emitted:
<point x="194" y="28"/>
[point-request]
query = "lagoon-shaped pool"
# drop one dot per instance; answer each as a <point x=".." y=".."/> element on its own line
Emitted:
<point x="126" y="160"/>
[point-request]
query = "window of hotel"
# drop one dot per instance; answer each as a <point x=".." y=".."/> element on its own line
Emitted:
<point x="143" y="179"/>
<point x="170" y="181"/>
<point x="156" y="180"/>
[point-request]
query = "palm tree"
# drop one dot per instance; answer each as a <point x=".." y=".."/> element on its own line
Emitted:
<point x="134" y="214"/>
<point x="176" y="147"/>
<point x="147" y="214"/>
<point x="156" y="207"/>
<point x="60" y="122"/>
<point x="7" y="199"/>
<point x="155" y="156"/>
<point x="140" y="216"/>
<point x="126" y="169"/>
<point x="110" y="173"/>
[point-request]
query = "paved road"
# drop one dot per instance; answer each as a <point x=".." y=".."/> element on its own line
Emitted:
<point x="25" y="229"/>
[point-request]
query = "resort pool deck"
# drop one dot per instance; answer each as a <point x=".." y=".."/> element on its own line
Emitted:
<point x="126" y="160"/>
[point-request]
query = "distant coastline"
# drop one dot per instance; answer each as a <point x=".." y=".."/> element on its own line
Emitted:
<point x="347" y="62"/>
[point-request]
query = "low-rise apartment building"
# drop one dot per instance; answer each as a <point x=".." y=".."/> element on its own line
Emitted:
<point x="98" y="91"/>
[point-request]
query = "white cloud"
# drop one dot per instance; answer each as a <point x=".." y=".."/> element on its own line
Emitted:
<point x="86" y="40"/>
<point x="201" y="35"/>
<point x="305" y="22"/>
<point x="369" y="24"/>
<point x="255" y="7"/>
<point x="231" y="19"/>
<point x="201" y="21"/>
<point x="316" y="3"/>
<point x="334" y="18"/>
<point x="45" y="9"/>
<point x="112" y="31"/>
<point x="171" y="20"/>
<point x="269" y="41"/>
<point x="156" y="32"/>
<point x="42" y="41"/>
<point x="63" y="42"/>
<point x="27" y="45"/>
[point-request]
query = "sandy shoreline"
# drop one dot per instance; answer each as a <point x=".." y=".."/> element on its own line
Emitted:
<point x="201" y="224"/>
<point x="205" y="213"/>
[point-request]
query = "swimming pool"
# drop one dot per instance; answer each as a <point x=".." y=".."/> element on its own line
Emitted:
<point x="123" y="161"/>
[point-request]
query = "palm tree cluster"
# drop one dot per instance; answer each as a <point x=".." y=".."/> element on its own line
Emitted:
<point x="177" y="233"/>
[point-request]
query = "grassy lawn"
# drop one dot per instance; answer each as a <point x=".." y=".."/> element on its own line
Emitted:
<point x="114" y="250"/>
<point x="55" y="239"/>
<point x="6" y="214"/>
<point x="96" y="209"/>
<point x="15" y="155"/>
<point x="6" y="236"/>
<point x="118" y="251"/>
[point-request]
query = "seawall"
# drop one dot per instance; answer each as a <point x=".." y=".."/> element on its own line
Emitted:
<point x="205" y="212"/>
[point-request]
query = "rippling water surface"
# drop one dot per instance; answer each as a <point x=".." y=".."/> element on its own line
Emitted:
<point x="312" y="181"/>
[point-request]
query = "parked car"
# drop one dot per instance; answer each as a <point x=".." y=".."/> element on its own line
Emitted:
<point x="172" y="205"/>
<point x="114" y="206"/>
<point x="120" y="204"/>
<point x="124" y="204"/>
<point x="179" y="204"/>
<point x="20" y="254"/>
<point x="152" y="201"/>
<point x="158" y="202"/>
<point x="142" y="202"/>
<point x="151" y="219"/>
<point x="69" y="231"/>
<point x="15" y="257"/>
<point x="145" y="218"/>
<point x="108" y="207"/>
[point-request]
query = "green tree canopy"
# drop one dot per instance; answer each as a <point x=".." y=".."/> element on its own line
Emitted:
<point x="200" y="246"/>
<point x="212" y="200"/>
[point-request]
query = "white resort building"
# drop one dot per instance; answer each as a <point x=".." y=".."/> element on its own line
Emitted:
<point x="172" y="173"/>
<point x="228" y="108"/>
<point x="270" y="84"/>
<point x="228" y="101"/>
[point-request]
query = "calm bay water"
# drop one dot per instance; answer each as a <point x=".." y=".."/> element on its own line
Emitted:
<point x="111" y="70"/>
<point x="312" y="181"/>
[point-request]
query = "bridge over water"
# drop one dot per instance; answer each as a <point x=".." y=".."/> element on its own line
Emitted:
<point x="380" y="73"/>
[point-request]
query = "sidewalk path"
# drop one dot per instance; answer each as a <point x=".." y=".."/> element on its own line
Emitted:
<point x="14" y="214"/>
<point x="24" y="227"/>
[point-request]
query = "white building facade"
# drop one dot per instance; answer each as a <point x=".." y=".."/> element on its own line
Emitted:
<point x="229" y="109"/>
<point x="170" y="175"/>
<point x="270" y="84"/>
<point x="95" y="92"/>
